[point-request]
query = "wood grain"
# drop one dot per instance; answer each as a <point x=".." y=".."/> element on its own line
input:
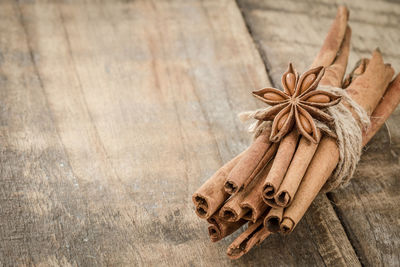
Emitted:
<point x="113" y="113"/>
<point x="368" y="207"/>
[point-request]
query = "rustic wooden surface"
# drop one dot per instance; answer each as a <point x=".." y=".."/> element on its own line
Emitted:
<point x="113" y="113"/>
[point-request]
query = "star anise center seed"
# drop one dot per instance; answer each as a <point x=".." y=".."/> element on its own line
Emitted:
<point x="294" y="100"/>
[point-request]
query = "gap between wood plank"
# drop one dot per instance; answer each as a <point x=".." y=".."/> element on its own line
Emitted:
<point x="262" y="54"/>
<point x="345" y="229"/>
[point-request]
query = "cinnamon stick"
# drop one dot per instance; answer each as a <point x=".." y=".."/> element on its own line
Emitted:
<point x="231" y="211"/>
<point x="367" y="90"/>
<point x="273" y="219"/>
<point x="295" y="173"/>
<point x="324" y="162"/>
<point x="333" y="40"/>
<point x="280" y="165"/>
<point x="246" y="203"/>
<point x="219" y="228"/>
<point x="386" y="106"/>
<point x="211" y="195"/>
<point x="252" y="162"/>
<point x="334" y="74"/>
<point x="358" y="69"/>
<point x="252" y="236"/>
<point x="253" y="201"/>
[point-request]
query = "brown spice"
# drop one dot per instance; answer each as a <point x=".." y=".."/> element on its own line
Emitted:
<point x="253" y="201"/>
<point x="317" y="173"/>
<point x="211" y="195"/>
<point x="301" y="159"/>
<point x="252" y="236"/>
<point x="386" y="106"/>
<point x="298" y="105"/>
<point x="273" y="219"/>
<point x="247" y="203"/>
<point x="280" y="165"/>
<point x="219" y="228"/>
<point x="252" y="162"/>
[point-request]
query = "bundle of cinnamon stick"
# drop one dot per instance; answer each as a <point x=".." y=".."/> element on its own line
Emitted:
<point x="270" y="185"/>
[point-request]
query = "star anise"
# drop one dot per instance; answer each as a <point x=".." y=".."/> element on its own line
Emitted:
<point x="297" y="105"/>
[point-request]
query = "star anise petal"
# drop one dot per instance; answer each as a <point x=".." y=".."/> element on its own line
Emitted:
<point x="320" y="99"/>
<point x="309" y="81"/>
<point x="271" y="96"/>
<point x="282" y="123"/>
<point x="318" y="113"/>
<point x="306" y="125"/>
<point x="289" y="80"/>
<point x="269" y="113"/>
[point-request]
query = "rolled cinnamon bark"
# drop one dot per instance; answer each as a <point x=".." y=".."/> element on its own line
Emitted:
<point x="254" y="235"/>
<point x="252" y="162"/>
<point x="334" y="74"/>
<point x="247" y="203"/>
<point x="287" y="225"/>
<point x="366" y="90"/>
<point x="254" y="210"/>
<point x="386" y="106"/>
<point x="253" y="201"/>
<point x="295" y="173"/>
<point x="231" y="211"/>
<point x="219" y="228"/>
<point x="273" y="219"/>
<point x="211" y="195"/>
<point x="333" y="40"/>
<point x="280" y="165"/>
<point x="358" y="69"/>
<point x="317" y="173"/>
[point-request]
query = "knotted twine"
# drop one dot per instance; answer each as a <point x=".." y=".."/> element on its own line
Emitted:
<point x="345" y="128"/>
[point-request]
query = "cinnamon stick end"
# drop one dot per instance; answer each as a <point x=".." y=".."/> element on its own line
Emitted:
<point x="377" y="56"/>
<point x="250" y="214"/>
<point x="287" y="226"/>
<point x="199" y="200"/>
<point x="201" y="212"/>
<point x="215" y="234"/>
<point x="228" y="214"/>
<point x="201" y="205"/>
<point x="235" y="253"/>
<point x="272" y="223"/>
<point x="230" y="187"/>
<point x="344" y="10"/>
<point x="269" y="191"/>
<point x="283" y="199"/>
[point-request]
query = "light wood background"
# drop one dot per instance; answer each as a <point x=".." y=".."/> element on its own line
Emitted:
<point x="112" y="113"/>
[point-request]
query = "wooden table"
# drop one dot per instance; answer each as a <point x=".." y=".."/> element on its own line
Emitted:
<point x="112" y="113"/>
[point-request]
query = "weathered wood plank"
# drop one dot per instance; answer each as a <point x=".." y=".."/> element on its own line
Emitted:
<point x="112" y="114"/>
<point x="293" y="31"/>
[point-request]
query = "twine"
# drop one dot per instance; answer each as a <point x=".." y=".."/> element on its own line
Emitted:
<point x="346" y="129"/>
